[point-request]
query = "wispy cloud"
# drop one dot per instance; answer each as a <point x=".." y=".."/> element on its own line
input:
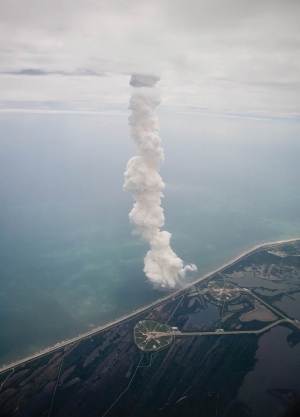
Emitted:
<point x="42" y="72"/>
<point x="234" y="54"/>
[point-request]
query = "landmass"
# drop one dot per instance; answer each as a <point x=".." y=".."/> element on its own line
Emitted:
<point x="186" y="354"/>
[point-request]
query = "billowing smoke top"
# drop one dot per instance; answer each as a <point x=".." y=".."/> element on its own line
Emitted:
<point x="141" y="80"/>
<point x="142" y="180"/>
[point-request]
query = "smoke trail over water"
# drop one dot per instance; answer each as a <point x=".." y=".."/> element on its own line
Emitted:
<point x="142" y="180"/>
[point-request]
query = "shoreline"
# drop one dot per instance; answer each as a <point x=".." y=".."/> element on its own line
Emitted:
<point x="137" y="312"/>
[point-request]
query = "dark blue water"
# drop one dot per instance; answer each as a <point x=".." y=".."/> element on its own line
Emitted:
<point x="290" y="305"/>
<point x="277" y="367"/>
<point x="204" y="318"/>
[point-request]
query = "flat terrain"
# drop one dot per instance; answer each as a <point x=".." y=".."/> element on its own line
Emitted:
<point x="223" y="290"/>
<point x="187" y="354"/>
<point x="151" y="336"/>
<point x="260" y="313"/>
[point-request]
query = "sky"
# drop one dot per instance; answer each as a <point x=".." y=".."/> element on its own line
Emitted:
<point x="221" y="56"/>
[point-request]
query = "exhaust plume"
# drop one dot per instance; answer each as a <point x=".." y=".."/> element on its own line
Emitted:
<point x="142" y="180"/>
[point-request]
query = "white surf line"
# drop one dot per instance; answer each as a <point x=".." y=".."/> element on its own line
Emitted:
<point x="137" y="312"/>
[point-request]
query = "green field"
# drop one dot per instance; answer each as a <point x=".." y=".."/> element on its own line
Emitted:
<point x="151" y="336"/>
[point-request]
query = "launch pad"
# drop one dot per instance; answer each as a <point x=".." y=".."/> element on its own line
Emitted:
<point x="223" y="290"/>
<point x="151" y="336"/>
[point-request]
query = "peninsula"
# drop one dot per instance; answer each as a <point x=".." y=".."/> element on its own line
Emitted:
<point x="152" y="359"/>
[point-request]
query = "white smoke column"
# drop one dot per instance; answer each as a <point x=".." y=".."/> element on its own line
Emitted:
<point x="142" y="180"/>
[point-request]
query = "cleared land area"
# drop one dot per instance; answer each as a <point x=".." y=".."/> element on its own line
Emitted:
<point x="223" y="290"/>
<point x="260" y="313"/>
<point x="152" y="336"/>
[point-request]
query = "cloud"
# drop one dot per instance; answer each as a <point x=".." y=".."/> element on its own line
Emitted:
<point x="232" y="54"/>
<point x="39" y="72"/>
<point x="141" y="80"/>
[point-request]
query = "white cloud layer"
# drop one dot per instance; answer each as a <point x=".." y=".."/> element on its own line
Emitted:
<point x="229" y="55"/>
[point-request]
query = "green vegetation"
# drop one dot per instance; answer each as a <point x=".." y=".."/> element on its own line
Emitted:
<point x="223" y="290"/>
<point x="152" y="336"/>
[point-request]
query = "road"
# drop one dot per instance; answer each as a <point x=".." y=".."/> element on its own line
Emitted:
<point x="235" y="332"/>
<point x="155" y="335"/>
<point x="136" y="313"/>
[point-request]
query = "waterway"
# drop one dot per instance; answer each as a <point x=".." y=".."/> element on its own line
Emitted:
<point x="250" y="281"/>
<point x="277" y="367"/>
<point x="290" y="305"/>
<point x="203" y="319"/>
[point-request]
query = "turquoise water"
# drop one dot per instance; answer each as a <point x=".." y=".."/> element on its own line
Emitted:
<point x="67" y="257"/>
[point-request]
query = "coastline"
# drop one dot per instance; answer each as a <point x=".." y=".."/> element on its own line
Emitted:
<point x="67" y="343"/>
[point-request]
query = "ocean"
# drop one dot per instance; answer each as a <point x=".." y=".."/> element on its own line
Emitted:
<point x="68" y="260"/>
